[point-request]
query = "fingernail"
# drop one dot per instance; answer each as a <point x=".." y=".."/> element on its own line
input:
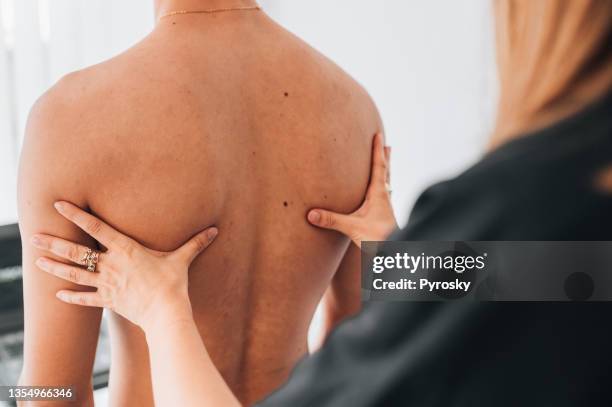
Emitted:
<point x="60" y="295"/>
<point x="314" y="217"/>
<point x="212" y="233"/>
<point x="59" y="206"/>
<point x="42" y="263"/>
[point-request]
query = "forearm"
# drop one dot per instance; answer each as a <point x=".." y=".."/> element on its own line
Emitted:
<point x="49" y="364"/>
<point x="342" y="299"/>
<point x="182" y="370"/>
<point x="59" y="340"/>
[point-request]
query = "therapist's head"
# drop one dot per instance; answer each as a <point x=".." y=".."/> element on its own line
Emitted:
<point x="554" y="57"/>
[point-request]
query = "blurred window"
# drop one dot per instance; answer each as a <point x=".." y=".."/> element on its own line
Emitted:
<point x="42" y="40"/>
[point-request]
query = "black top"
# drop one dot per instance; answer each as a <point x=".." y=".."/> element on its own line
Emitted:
<point x="538" y="187"/>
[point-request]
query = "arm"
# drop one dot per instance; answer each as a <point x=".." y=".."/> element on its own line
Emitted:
<point x="149" y="289"/>
<point x="182" y="370"/>
<point x="60" y="341"/>
<point x="343" y="296"/>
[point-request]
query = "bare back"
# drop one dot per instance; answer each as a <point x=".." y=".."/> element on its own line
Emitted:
<point x="228" y="121"/>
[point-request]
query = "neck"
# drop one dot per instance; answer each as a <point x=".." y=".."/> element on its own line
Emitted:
<point x="167" y="6"/>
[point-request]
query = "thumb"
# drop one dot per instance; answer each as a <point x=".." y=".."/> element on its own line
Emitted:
<point x="196" y="245"/>
<point x="331" y="220"/>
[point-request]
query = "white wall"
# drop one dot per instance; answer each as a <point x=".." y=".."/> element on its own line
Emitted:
<point x="42" y="40"/>
<point x="427" y="63"/>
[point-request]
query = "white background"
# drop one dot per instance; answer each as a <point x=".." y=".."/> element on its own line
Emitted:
<point x="428" y="64"/>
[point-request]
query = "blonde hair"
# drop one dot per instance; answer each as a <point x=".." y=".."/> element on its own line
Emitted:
<point x="553" y="58"/>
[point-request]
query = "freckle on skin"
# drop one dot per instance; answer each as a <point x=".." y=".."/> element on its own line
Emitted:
<point x="286" y="94"/>
<point x="285" y="204"/>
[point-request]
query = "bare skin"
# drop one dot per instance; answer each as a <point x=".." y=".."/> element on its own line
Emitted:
<point x="150" y="288"/>
<point x="224" y="120"/>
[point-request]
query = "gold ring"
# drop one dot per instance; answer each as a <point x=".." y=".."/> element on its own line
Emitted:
<point x="83" y="261"/>
<point x="91" y="260"/>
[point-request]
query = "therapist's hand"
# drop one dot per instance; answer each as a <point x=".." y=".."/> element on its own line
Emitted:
<point x="136" y="282"/>
<point x="374" y="220"/>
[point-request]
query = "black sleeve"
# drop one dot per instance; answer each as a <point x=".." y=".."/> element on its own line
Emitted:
<point x="468" y="354"/>
<point x="461" y="354"/>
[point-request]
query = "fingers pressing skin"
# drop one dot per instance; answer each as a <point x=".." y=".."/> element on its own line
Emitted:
<point x="388" y="159"/>
<point x="379" y="178"/>
<point x="131" y="279"/>
<point x="190" y="250"/>
<point x="330" y="220"/>
<point x="60" y="247"/>
<point x="374" y="220"/>
<point x="93" y="226"/>
<point x="380" y="170"/>
<point x="69" y="273"/>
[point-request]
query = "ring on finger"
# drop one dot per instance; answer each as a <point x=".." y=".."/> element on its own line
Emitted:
<point x="83" y="261"/>
<point x="90" y="259"/>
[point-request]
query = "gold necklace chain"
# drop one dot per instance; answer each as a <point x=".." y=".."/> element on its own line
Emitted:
<point x="210" y="11"/>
